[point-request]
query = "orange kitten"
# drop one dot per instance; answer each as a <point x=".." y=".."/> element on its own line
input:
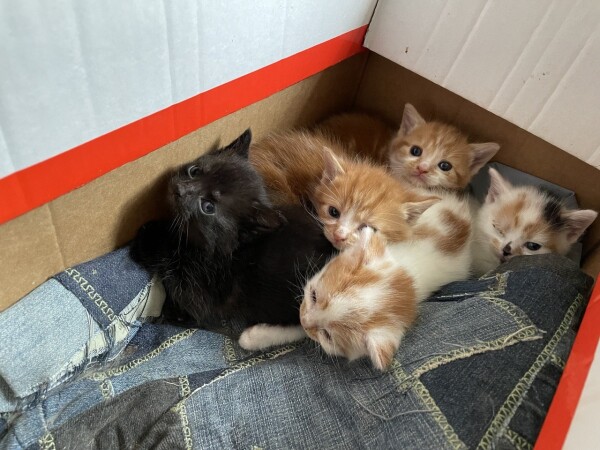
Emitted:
<point x="299" y="167"/>
<point x="434" y="154"/>
<point x="361" y="134"/>
<point x="363" y="301"/>
<point x="523" y="220"/>
<point x="352" y="195"/>
<point x="426" y="154"/>
<point x="291" y="163"/>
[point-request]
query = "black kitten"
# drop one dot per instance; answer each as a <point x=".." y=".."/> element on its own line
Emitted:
<point x="227" y="253"/>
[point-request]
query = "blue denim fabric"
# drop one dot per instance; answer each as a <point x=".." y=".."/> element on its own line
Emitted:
<point x="84" y="314"/>
<point x="478" y="370"/>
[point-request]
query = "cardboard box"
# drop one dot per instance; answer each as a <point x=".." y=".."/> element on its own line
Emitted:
<point x="85" y="146"/>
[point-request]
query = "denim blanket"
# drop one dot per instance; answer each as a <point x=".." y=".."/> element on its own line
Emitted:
<point x="83" y="366"/>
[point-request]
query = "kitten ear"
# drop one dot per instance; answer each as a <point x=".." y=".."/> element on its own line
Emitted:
<point x="498" y="186"/>
<point x="577" y="221"/>
<point x="413" y="210"/>
<point x="482" y="153"/>
<point x="381" y="348"/>
<point x="411" y="119"/>
<point x="265" y="219"/>
<point x="241" y="145"/>
<point x="332" y="166"/>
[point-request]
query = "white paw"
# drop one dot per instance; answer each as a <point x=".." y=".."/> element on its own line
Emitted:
<point x="262" y="336"/>
<point x="252" y="338"/>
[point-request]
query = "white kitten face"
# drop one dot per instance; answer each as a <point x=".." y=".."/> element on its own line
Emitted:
<point x="351" y="307"/>
<point x="526" y="221"/>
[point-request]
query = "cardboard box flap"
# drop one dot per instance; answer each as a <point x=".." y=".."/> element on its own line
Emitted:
<point x="534" y="64"/>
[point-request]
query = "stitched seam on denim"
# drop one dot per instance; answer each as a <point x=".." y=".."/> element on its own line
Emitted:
<point x="106" y="389"/>
<point x="501" y="282"/>
<point x="99" y="376"/>
<point x="437" y="415"/>
<point x="249" y="363"/>
<point x="91" y="293"/>
<point x="516" y="313"/>
<point x="184" y="387"/>
<point x="46" y="442"/>
<point x="229" y="351"/>
<point x="187" y="432"/>
<point x="514" y="399"/>
<point x="529" y="333"/>
<point x="557" y="361"/>
<point x="517" y="440"/>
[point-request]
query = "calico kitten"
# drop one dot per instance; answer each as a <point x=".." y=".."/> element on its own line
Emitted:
<point x="523" y="220"/>
<point x="364" y="300"/>
<point x="424" y="154"/>
<point x="227" y="253"/>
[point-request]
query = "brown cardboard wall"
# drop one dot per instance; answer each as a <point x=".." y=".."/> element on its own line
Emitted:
<point x="105" y="213"/>
<point x="386" y="87"/>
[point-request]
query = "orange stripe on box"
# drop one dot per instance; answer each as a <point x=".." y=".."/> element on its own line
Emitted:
<point x="562" y="409"/>
<point x="49" y="179"/>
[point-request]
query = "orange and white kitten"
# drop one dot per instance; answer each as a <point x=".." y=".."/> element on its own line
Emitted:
<point x="364" y="300"/>
<point x="523" y="220"/>
<point x="351" y="196"/>
<point x="298" y="167"/>
<point x="425" y="154"/>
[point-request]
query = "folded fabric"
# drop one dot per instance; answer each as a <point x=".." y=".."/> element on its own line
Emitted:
<point x="479" y="369"/>
<point x="81" y="315"/>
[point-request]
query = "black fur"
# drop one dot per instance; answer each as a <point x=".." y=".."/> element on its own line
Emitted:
<point x="553" y="209"/>
<point x="247" y="260"/>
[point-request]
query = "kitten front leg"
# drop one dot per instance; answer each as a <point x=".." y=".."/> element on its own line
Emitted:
<point x="263" y="335"/>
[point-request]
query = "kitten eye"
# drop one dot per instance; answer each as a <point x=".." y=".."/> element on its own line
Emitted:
<point x="326" y="334"/>
<point x="313" y="296"/>
<point x="445" y="166"/>
<point x="193" y="171"/>
<point x="415" y="150"/>
<point x="208" y="208"/>
<point x="533" y="246"/>
<point x="333" y="212"/>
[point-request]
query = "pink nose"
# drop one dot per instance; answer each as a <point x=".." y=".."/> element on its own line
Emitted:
<point x="423" y="168"/>
<point x="339" y="236"/>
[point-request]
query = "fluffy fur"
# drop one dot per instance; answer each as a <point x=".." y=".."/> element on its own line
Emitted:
<point x="291" y="164"/>
<point x="523" y="220"/>
<point x="221" y="256"/>
<point x="425" y="154"/>
<point x="363" y="301"/>
<point x="353" y="195"/>
<point x="299" y="167"/>
<point x="360" y="134"/>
